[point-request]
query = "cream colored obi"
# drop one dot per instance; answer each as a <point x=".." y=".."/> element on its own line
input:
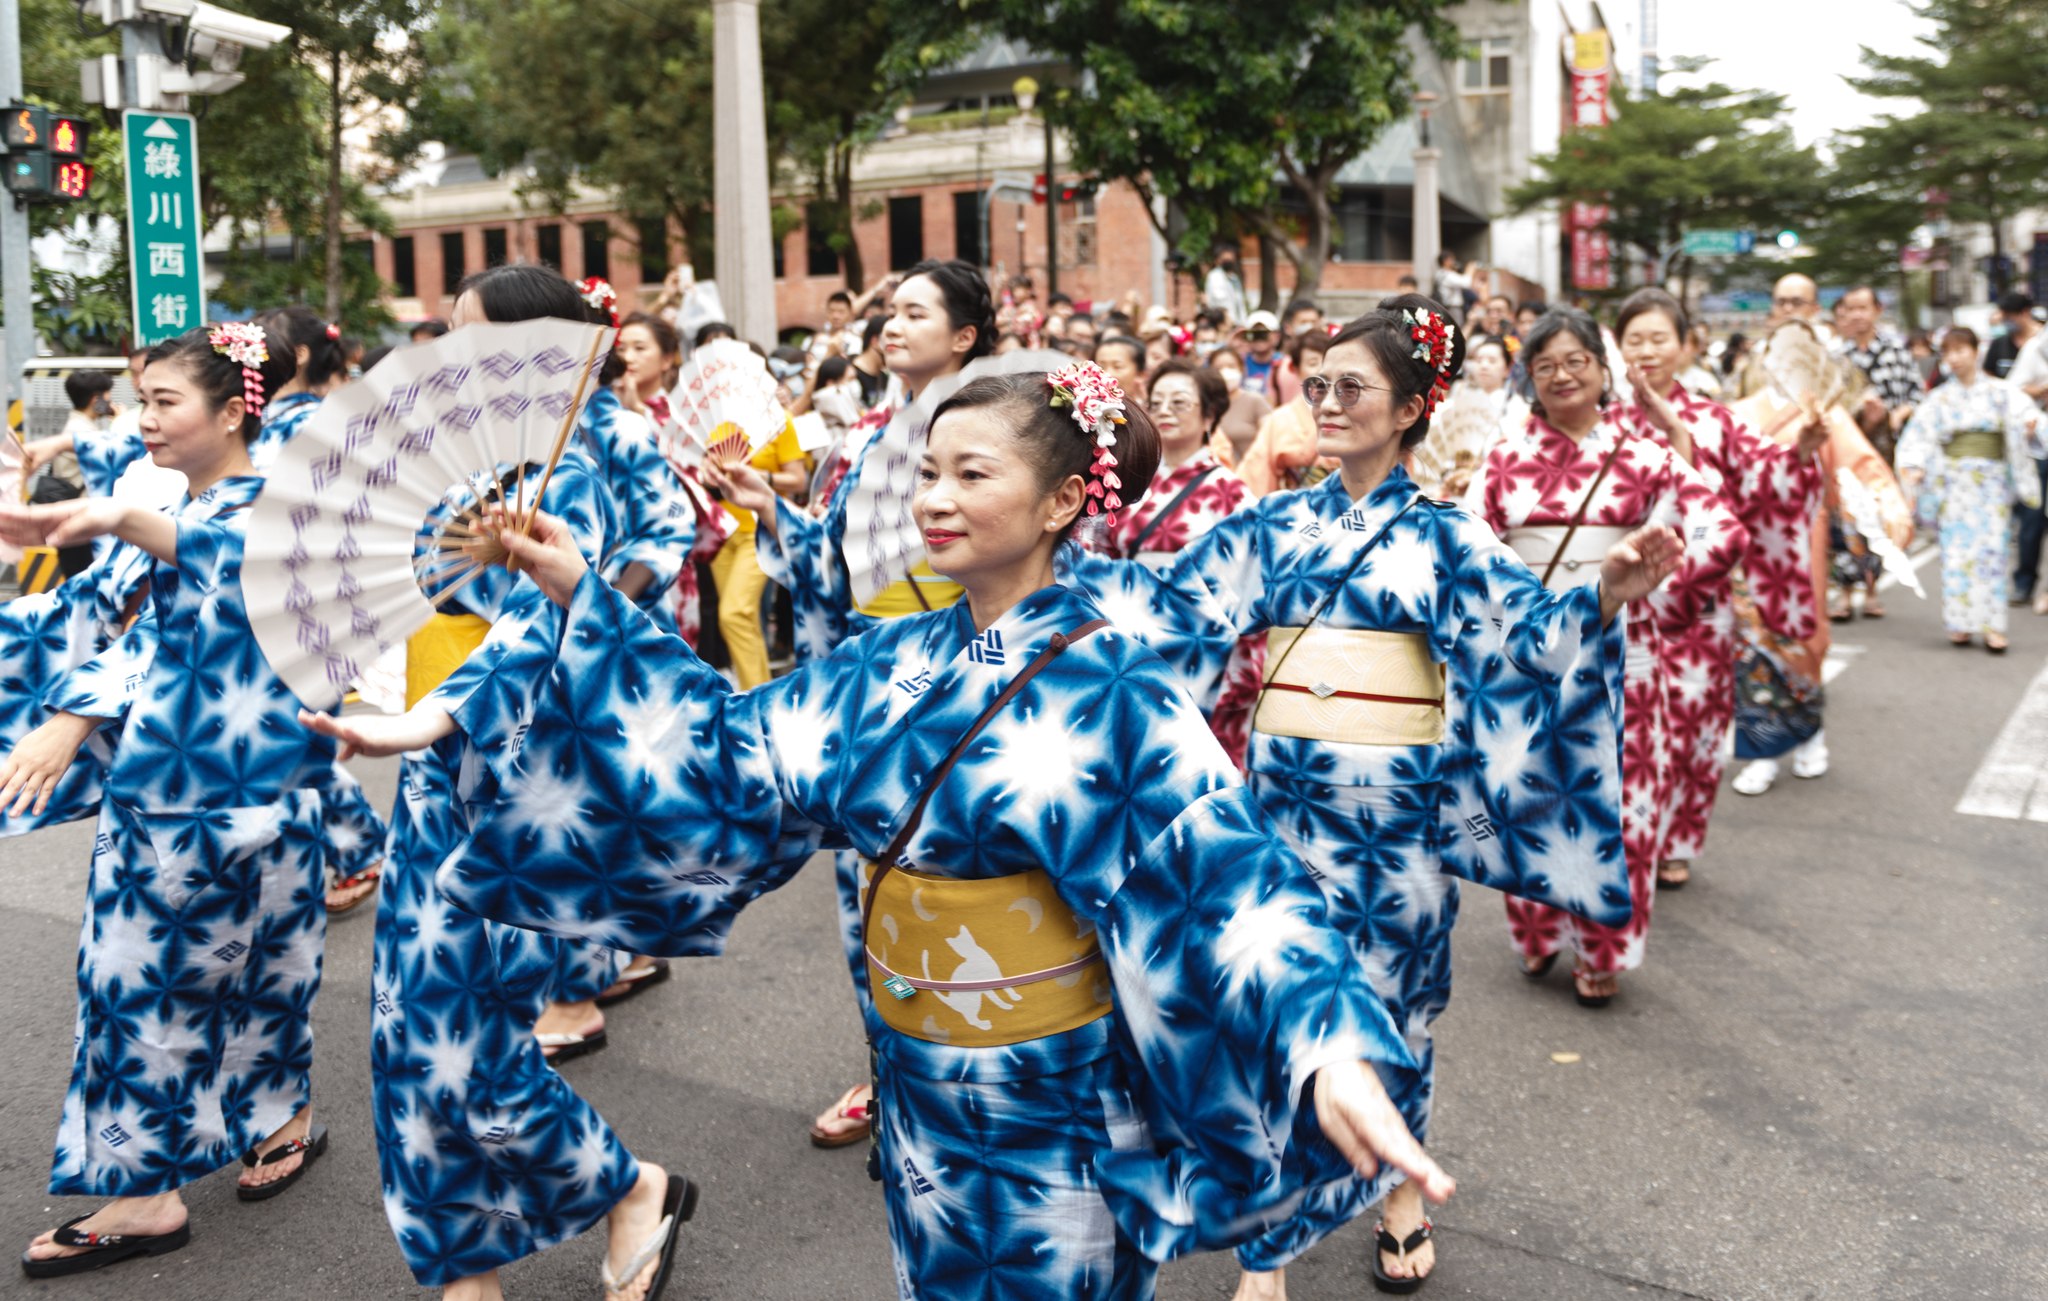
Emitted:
<point x="982" y="963"/>
<point x="1536" y="544"/>
<point x="902" y="597"/>
<point x="1351" y="685"/>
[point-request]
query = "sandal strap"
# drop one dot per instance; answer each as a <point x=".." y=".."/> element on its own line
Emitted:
<point x="67" y="1236"/>
<point x="648" y="1253"/>
<point x="374" y="872"/>
<point x="1388" y="1243"/>
<point x="253" y="1159"/>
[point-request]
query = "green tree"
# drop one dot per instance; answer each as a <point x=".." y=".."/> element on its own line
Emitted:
<point x="1227" y="109"/>
<point x="1688" y="158"/>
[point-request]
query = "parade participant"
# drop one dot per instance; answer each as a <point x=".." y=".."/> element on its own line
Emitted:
<point x="1039" y="802"/>
<point x="1778" y="693"/>
<point x="1429" y="711"/>
<point x="1560" y="492"/>
<point x="1773" y="489"/>
<point x="193" y="1046"/>
<point x="1969" y="448"/>
<point x="486" y="1155"/>
<point x="1191" y="493"/>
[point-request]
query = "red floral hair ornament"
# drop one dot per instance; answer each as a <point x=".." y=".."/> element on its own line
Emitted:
<point x="1432" y="335"/>
<point x="1097" y="403"/>
<point x="598" y="294"/>
<point x="241" y="342"/>
<point x="334" y="332"/>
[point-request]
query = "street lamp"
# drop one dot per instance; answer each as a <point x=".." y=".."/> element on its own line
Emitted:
<point x="1026" y="91"/>
<point x="1426" y="238"/>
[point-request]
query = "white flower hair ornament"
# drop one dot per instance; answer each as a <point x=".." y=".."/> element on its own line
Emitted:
<point x="241" y="342"/>
<point x="1097" y="404"/>
<point x="597" y="294"/>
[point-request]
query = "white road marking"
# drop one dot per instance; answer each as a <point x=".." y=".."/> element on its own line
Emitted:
<point x="1838" y="659"/>
<point x="2012" y="782"/>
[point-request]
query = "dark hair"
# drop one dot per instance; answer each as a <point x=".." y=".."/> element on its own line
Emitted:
<point x="82" y="386"/>
<point x="433" y="327"/>
<point x="1446" y="253"/>
<point x="965" y="293"/>
<point x="1388" y="337"/>
<point x="1731" y="352"/>
<point x="1210" y="390"/>
<point x="1209" y="317"/>
<point x="1644" y="301"/>
<point x="1319" y="340"/>
<point x="1579" y="325"/>
<point x="1055" y="444"/>
<point x="1224" y="350"/>
<point x="711" y="330"/>
<point x="1875" y="301"/>
<point x="2015" y="303"/>
<point x="831" y="371"/>
<point x="1137" y="347"/>
<point x="839" y="296"/>
<point x="1485" y="341"/>
<point x="220" y="380"/>
<point x="303" y="328"/>
<point x="1957" y="336"/>
<point x="665" y="336"/>
<point x="872" y="331"/>
<point x="1302" y="305"/>
<point x="1055" y="300"/>
<point x="527" y="291"/>
<point x="1405" y="283"/>
<point x="375" y="355"/>
<point x="1117" y="321"/>
<point x="1536" y="305"/>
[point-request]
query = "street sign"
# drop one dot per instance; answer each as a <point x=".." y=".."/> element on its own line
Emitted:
<point x="1718" y="243"/>
<point x="165" y="262"/>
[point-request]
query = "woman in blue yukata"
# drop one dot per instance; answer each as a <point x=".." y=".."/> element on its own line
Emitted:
<point x="1429" y="711"/>
<point x="200" y="953"/>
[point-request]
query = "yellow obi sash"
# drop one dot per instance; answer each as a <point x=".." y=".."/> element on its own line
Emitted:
<point x="1353" y="685"/>
<point x="438" y="649"/>
<point x="1986" y="443"/>
<point x="979" y="964"/>
<point x="900" y="598"/>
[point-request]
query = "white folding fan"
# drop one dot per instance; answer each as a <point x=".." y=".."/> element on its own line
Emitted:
<point x="357" y="535"/>
<point x="1460" y="434"/>
<point x="724" y="403"/>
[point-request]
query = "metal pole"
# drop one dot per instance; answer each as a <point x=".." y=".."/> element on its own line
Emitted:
<point x="1052" y="219"/>
<point x="14" y="276"/>
<point x="741" y="222"/>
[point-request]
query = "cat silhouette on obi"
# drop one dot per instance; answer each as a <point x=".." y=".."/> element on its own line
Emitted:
<point x="976" y="963"/>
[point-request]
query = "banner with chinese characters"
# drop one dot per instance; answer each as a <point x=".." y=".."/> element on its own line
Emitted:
<point x="166" y="267"/>
<point x="1592" y="65"/>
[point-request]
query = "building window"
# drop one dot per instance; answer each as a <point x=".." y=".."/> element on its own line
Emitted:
<point x="404" y="278"/>
<point x="775" y="248"/>
<point x="820" y="259"/>
<point x="970" y="232"/>
<point x="653" y="249"/>
<point x="1082" y="223"/>
<point x="497" y="249"/>
<point x="453" y="267"/>
<point x="906" y="231"/>
<point x="1486" y="71"/>
<point x="549" y="240"/>
<point x="597" y="250"/>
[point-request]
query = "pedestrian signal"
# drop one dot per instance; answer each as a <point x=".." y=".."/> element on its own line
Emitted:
<point x="28" y="127"/>
<point x="73" y="180"/>
<point x="67" y="137"/>
<point x="1788" y="239"/>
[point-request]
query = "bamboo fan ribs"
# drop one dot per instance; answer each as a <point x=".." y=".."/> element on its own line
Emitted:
<point x="724" y="404"/>
<point x="367" y="520"/>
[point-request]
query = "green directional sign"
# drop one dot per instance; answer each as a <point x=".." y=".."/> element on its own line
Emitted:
<point x="166" y="267"/>
<point x="1718" y="243"/>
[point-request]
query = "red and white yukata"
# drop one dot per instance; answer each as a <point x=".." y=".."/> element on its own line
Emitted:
<point x="1213" y="493"/>
<point x="1537" y="478"/>
<point x="714" y="525"/>
<point x="1774" y="494"/>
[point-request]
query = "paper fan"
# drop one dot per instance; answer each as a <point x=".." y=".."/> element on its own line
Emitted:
<point x="1801" y="370"/>
<point x="1460" y="434"/>
<point x="883" y="542"/>
<point x="360" y="532"/>
<point x="724" y="403"/>
<point x="1860" y="504"/>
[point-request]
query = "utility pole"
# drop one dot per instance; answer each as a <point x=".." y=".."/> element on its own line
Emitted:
<point x="742" y="222"/>
<point x="1052" y="216"/>
<point x="14" y="271"/>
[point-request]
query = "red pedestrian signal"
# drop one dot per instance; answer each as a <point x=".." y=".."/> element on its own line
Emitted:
<point x="67" y="137"/>
<point x="74" y="180"/>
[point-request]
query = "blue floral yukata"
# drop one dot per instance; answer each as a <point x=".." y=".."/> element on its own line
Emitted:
<point x="1523" y="794"/>
<point x="657" y="516"/>
<point x="1062" y="1166"/>
<point x="486" y="1154"/>
<point x="200" y="952"/>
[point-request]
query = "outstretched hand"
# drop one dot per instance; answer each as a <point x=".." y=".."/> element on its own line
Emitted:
<point x="30" y="772"/>
<point x="377" y="735"/>
<point x="1637" y="565"/>
<point x="1359" y="1118"/>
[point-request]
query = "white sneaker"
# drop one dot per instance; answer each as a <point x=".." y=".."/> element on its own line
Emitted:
<point x="1756" y="777"/>
<point x="1811" y="759"/>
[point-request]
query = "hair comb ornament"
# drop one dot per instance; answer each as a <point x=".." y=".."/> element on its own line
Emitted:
<point x="598" y="294"/>
<point x="1097" y="404"/>
<point x="241" y="342"/>
<point x="1432" y="336"/>
<point x="334" y="332"/>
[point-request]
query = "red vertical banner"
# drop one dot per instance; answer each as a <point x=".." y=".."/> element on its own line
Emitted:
<point x="1592" y="65"/>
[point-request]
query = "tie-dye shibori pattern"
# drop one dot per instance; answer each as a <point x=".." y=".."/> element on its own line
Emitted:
<point x="657" y="513"/>
<point x="1522" y="795"/>
<point x="282" y="421"/>
<point x="486" y="1155"/>
<point x="1180" y="1118"/>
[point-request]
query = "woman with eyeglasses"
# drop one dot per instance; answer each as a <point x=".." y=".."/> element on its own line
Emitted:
<point x="1427" y="710"/>
<point x="1571" y="485"/>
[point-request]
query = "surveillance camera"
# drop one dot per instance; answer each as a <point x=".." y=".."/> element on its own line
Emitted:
<point x="231" y="28"/>
<point x="221" y="56"/>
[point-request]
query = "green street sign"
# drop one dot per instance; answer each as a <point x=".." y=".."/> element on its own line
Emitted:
<point x="1718" y="243"/>
<point x="166" y="266"/>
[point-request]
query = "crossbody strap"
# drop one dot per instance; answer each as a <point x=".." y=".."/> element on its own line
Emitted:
<point x="1335" y="588"/>
<point x="894" y="853"/>
<point x="1579" y="516"/>
<point x="1187" y="490"/>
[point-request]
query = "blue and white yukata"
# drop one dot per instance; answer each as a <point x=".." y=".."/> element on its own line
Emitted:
<point x="657" y="511"/>
<point x="486" y="1154"/>
<point x="1970" y="497"/>
<point x="1523" y="794"/>
<point x="1060" y="1167"/>
<point x="200" y="953"/>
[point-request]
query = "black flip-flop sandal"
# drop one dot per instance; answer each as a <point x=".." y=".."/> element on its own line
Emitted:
<point x="568" y="1047"/>
<point x="678" y="1204"/>
<point x="1385" y="1243"/>
<point x="1541" y="969"/>
<point x="1589" y="1000"/>
<point x="101" y="1249"/>
<point x="637" y="984"/>
<point x="313" y="1146"/>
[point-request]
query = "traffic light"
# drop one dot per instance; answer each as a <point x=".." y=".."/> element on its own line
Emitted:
<point x="1788" y="239"/>
<point x="44" y="155"/>
<point x="1038" y="188"/>
<point x="73" y="180"/>
<point x="1084" y="188"/>
<point x="67" y="137"/>
<point x="28" y="175"/>
<point x="28" y="127"/>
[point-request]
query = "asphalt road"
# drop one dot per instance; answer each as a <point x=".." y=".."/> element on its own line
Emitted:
<point x="1827" y="1083"/>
